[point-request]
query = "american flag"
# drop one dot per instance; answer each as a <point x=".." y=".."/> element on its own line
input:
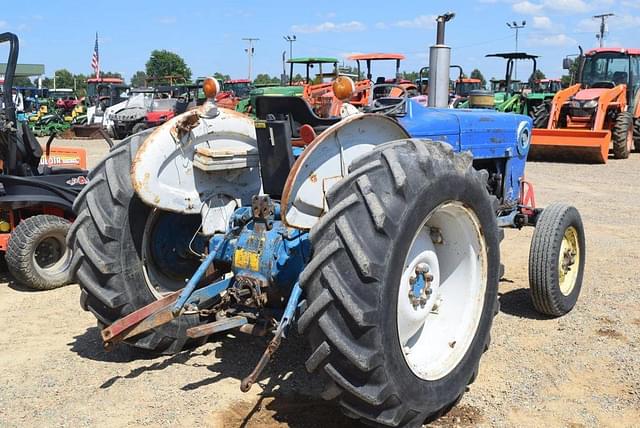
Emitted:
<point x="95" y="60"/>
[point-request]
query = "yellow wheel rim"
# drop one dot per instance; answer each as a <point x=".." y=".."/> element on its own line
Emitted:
<point x="568" y="261"/>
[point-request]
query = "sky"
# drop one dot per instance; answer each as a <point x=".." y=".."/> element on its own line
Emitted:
<point x="208" y="34"/>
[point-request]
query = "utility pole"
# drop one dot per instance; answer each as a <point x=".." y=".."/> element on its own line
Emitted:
<point x="290" y="39"/>
<point x="603" y="26"/>
<point x="515" y="26"/>
<point x="250" y="51"/>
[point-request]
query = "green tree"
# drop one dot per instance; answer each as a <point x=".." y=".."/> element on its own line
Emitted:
<point x="477" y="74"/>
<point x="221" y="77"/>
<point x="539" y="75"/>
<point x="139" y="79"/>
<point x="163" y="63"/>
<point x="265" y="79"/>
<point x="63" y="78"/>
<point x="111" y="74"/>
<point x="411" y="75"/>
<point x="23" y="81"/>
<point x="81" y="84"/>
<point x="568" y="79"/>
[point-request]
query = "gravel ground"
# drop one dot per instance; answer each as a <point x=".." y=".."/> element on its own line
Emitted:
<point x="582" y="370"/>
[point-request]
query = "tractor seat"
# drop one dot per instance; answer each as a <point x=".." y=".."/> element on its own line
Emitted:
<point x="29" y="150"/>
<point x="380" y="91"/>
<point x="620" y="77"/>
<point x="296" y="108"/>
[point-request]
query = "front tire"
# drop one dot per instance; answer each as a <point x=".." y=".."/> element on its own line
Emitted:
<point x="622" y="135"/>
<point x="38" y="255"/>
<point x="541" y="115"/>
<point x="556" y="260"/>
<point x="360" y="319"/>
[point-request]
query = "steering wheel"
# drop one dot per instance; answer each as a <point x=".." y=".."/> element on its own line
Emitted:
<point x="604" y="84"/>
<point x="395" y="105"/>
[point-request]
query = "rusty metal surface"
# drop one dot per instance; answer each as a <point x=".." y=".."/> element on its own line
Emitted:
<point x="163" y="174"/>
<point x="326" y="161"/>
<point x="216" y="327"/>
<point x="116" y="332"/>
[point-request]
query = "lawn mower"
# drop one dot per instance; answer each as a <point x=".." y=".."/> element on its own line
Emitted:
<point x="376" y="235"/>
<point x="601" y="110"/>
<point x="37" y="191"/>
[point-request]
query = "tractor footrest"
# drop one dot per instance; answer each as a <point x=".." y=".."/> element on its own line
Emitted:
<point x="216" y="327"/>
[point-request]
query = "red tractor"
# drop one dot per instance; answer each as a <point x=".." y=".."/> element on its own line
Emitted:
<point x="233" y="91"/>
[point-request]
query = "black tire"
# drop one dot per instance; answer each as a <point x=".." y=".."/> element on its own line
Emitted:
<point x="107" y="242"/>
<point x="138" y="127"/>
<point x="544" y="273"/>
<point x="351" y="281"/>
<point x="37" y="255"/>
<point x="622" y="135"/>
<point x="541" y="115"/>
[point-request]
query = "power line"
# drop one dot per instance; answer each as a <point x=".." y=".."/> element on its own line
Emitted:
<point x="250" y="52"/>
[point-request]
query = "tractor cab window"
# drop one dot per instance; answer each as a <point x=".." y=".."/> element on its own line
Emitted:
<point x="606" y="68"/>
<point x="635" y="76"/>
<point x="241" y="89"/>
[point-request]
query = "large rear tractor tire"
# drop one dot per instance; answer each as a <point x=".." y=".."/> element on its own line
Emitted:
<point x="556" y="260"/>
<point x="622" y="135"/>
<point x="401" y="290"/>
<point x="38" y="255"/>
<point x="541" y="115"/>
<point x="127" y="255"/>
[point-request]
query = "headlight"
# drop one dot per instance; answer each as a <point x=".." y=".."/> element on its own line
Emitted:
<point x="524" y="135"/>
<point x="575" y="104"/>
<point x="590" y="104"/>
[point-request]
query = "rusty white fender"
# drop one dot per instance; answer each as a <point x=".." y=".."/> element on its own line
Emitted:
<point x="326" y="161"/>
<point x="204" y="161"/>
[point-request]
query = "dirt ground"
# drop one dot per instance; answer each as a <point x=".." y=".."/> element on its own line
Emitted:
<point x="582" y="370"/>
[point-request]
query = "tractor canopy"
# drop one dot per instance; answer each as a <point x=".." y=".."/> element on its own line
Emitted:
<point x="369" y="58"/>
<point x="310" y="63"/>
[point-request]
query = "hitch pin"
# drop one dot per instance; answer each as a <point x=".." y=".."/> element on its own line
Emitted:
<point x="273" y="346"/>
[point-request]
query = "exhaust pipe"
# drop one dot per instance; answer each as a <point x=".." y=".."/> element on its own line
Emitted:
<point x="439" y="62"/>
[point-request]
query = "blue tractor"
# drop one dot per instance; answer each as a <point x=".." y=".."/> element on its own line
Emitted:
<point x="376" y="235"/>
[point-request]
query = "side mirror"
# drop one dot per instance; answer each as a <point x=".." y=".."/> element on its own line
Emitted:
<point x="567" y="63"/>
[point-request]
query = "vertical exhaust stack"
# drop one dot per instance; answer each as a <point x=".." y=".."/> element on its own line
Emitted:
<point x="439" y="62"/>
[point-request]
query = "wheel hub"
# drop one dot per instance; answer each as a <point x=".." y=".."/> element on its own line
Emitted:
<point x="420" y="285"/>
<point x="441" y="291"/>
<point x="569" y="257"/>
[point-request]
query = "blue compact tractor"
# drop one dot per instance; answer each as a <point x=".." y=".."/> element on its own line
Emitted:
<point x="376" y="235"/>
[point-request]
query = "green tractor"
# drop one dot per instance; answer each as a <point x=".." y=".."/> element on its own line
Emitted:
<point x="514" y="96"/>
<point x="312" y="88"/>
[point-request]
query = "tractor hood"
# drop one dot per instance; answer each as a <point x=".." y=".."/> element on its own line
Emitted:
<point x="589" y="94"/>
<point x="489" y="133"/>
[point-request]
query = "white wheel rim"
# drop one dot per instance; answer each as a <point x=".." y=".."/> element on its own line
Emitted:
<point x="436" y="333"/>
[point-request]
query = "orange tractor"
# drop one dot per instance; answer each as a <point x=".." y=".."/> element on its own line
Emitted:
<point x="601" y="110"/>
<point x="367" y="90"/>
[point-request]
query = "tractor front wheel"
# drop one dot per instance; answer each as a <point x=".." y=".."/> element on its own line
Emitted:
<point x="402" y="287"/>
<point x="556" y="260"/>
<point x="622" y="135"/>
<point x="37" y="255"/>
<point x="541" y="115"/>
